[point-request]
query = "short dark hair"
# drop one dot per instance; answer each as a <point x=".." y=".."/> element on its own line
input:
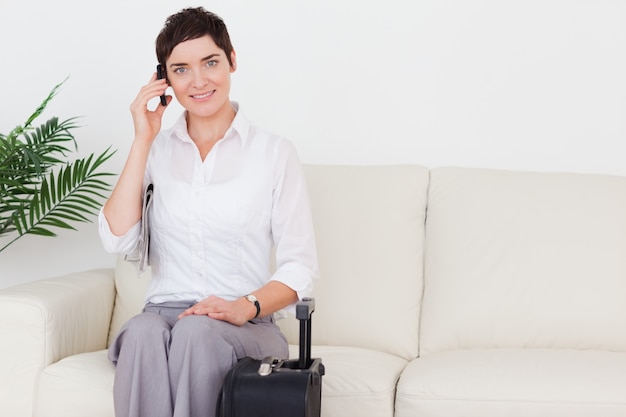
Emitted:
<point x="188" y="24"/>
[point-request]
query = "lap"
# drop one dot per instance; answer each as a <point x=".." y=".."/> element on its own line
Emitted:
<point x="257" y="339"/>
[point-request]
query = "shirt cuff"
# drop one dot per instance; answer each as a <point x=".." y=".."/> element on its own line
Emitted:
<point x="298" y="278"/>
<point x="117" y="244"/>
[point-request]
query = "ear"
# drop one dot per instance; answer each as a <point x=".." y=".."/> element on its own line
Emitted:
<point x="233" y="59"/>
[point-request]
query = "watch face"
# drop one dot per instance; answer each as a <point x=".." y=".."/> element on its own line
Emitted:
<point x="251" y="298"/>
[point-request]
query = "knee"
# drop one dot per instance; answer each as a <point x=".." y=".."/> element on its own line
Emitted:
<point x="142" y="332"/>
<point x="190" y="328"/>
<point x="198" y="329"/>
<point x="201" y="336"/>
<point x="145" y="326"/>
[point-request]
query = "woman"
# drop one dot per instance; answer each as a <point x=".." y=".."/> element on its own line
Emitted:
<point x="225" y="192"/>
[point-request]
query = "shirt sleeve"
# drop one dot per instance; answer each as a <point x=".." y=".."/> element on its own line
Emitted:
<point x="292" y="225"/>
<point x="117" y="244"/>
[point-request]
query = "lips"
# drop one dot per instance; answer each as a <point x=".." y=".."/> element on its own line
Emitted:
<point x="203" y="95"/>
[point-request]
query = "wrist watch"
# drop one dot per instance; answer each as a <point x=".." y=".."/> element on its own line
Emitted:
<point x="254" y="301"/>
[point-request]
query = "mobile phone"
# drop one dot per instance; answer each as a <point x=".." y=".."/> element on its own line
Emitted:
<point x="160" y="76"/>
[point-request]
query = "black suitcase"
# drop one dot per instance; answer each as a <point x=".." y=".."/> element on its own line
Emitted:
<point x="274" y="387"/>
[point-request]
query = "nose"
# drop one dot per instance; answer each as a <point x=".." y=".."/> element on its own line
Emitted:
<point x="199" y="79"/>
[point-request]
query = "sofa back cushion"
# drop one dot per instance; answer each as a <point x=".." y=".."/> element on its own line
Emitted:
<point x="524" y="260"/>
<point x="130" y="294"/>
<point x="369" y="227"/>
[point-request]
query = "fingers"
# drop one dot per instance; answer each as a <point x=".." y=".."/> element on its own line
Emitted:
<point x="161" y="108"/>
<point x="187" y="312"/>
<point x="194" y="310"/>
<point x="148" y="123"/>
<point x="204" y="307"/>
<point x="203" y="311"/>
<point x="152" y="89"/>
<point x="218" y="309"/>
<point x="149" y="91"/>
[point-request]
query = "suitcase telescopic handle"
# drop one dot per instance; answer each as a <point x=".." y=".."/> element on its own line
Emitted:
<point x="304" y="310"/>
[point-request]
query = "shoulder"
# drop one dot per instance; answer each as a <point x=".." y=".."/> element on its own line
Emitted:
<point x="263" y="142"/>
<point x="277" y="151"/>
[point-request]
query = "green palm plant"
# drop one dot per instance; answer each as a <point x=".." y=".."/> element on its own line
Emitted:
<point x="40" y="190"/>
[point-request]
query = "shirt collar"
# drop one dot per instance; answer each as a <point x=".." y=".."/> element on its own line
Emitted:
<point x="238" y="128"/>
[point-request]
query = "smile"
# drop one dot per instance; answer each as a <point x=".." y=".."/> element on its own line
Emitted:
<point x="205" y="95"/>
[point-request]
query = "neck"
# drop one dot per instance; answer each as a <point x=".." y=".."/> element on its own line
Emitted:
<point x="208" y="130"/>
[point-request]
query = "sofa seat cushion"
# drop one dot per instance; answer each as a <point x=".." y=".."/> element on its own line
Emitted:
<point x="521" y="382"/>
<point x="358" y="382"/>
<point x="77" y="386"/>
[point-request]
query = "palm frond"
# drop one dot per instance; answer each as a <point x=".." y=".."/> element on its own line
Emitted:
<point x="19" y="130"/>
<point x="39" y="190"/>
<point x="63" y="198"/>
<point x="39" y="150"/>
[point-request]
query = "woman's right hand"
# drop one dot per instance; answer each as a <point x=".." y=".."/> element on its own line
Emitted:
<point x="148" y="122"/>
<point x="123" y="208"/>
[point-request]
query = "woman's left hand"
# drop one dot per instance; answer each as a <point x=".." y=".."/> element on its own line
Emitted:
<point x="236" y="312"/>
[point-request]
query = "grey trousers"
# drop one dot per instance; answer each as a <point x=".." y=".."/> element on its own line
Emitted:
<point x="167" y="367"/>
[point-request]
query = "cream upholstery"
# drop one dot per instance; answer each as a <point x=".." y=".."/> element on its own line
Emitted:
<point x="368" y="213"/>
<point x="451" y="291"/>
<point x="514" y="382"/>
<point x="129" y="298"/>
<point x="43" y="322"/>
<point x="77" y="386"/>
<point x="524" y="260"/>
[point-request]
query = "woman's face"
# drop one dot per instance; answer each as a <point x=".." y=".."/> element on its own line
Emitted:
<point x="199" y="73"/>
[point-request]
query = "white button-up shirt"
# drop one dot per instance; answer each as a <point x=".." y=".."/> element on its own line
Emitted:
<point x="213" y="223"/>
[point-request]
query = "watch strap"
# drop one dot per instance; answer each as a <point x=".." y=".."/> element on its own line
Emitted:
<point x="256" y="303"/>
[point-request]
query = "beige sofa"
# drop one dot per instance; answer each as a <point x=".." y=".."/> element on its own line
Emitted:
<point x="443" y="292"/>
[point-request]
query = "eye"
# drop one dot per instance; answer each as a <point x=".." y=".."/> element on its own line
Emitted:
<point x="180" y="70"/>
<point x="211" y="63"/>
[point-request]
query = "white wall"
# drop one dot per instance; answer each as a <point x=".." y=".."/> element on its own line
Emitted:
<point x="532" y="84"/>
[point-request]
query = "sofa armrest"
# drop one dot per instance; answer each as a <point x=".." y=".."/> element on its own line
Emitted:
<point x="45" y="321"/>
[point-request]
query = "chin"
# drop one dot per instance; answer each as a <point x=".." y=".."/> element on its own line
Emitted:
<point x="205" y="109"/>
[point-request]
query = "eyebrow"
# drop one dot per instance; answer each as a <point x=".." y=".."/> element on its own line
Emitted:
<point x="206" y="58"/>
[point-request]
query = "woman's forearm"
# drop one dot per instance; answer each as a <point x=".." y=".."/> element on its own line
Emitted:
<point x="123" y="208"/>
